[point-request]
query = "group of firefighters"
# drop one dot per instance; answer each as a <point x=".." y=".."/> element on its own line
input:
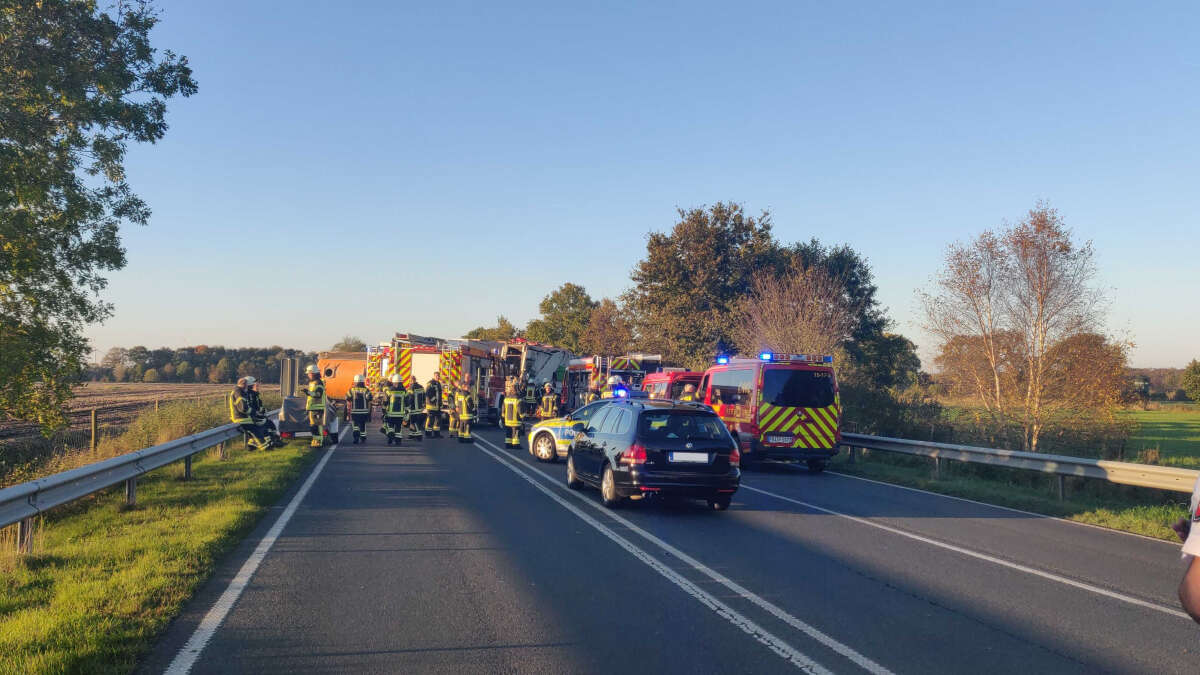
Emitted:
<point x="416" y="412"/>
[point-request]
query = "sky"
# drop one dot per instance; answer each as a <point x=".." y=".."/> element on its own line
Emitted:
<point x="369" y="167"/>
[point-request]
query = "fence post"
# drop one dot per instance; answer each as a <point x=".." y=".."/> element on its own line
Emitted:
<point x="187" y="467"/>
<point x="155" y="405"/>
<point x="221" y="450"/>
<point x="1062" y="487"/>
<point x="130" y="491"/>
<point x="93" y="431"/>
<point x="25" y="535"/>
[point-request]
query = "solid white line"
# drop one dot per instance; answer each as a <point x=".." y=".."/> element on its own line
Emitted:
<point x="775" y="611"/>
<point x="982" y="556"/>
<point x="1005" y="508"/>
<point x="731" y="615"/>
<point x="186" y="658"/>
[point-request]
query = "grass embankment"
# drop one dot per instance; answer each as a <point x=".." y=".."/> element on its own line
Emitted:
<point x="1169" y="436"/>
<point x="105" y="579"/>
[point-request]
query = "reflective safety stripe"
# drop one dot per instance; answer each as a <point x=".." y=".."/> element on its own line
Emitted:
<point x="235" y="416"/>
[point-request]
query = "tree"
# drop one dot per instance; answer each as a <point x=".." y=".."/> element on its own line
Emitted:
<point x="168" y="372"/>
<point x="565" y="316"/>
<point x="199" y="374"/>
<point x="78" y="85"/>
<point x="608" y="331"/>
<point x="1191" y="380"/>
<point x="503" y="330"/>
<point x="687" y="286"/>
<point x="1016" y="315"/>
<point x="349" y="343"/>
<point x="804" y="311"/>
<point x="150" y="375"/>
<point x="222" y="372"/>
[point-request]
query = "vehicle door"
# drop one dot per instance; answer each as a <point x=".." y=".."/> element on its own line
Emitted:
<point x="606" y="439"/>
<point x="566" y="431"/>
<point x="799" y="408"/>
<point x="587" y="444"/>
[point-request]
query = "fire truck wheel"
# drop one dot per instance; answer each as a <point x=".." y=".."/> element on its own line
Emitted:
<point x="543" y="448"/>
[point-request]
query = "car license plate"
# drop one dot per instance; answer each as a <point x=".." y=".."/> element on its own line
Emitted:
<point x="692" y="457"/>
<point x="781" y="440"/>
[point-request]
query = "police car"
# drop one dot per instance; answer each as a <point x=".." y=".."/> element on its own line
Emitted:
<point x="551" y="439"/>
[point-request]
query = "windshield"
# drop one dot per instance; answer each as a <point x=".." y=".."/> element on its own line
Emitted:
<point x="662" y="425"/>
<point x="798" y="388"/>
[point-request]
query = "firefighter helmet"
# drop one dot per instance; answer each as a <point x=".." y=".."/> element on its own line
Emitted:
<point x="396" y="378"/>
<point x="358" y="379"/>
<point x="311" y="370"/>
<point x="614" y="380"/>
<point x="250" y="380"/>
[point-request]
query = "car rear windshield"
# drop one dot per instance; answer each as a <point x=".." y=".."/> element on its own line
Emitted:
<point x="798" y="388"/>
<point x="669" y="425"/>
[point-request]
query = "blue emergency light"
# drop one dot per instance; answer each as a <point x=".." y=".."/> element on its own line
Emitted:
<point x="722" y="360"/>
<point x="621" y="392"/>
<point x="765" y="356"/>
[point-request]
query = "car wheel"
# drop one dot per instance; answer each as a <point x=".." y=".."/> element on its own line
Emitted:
<point x="816" y="465"/>
<point x="543" y="448"/>
<point x="608" y="489"/>
<point x="573" y="481"/>
<point x="720" y="503"/>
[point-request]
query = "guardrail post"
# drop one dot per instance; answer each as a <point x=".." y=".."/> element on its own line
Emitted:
<point x="25" y="535"/>
<point x="937" y="468"/>
<point x="93" y="431"/>
<point x="187" y="467"/>
<point x="1062" y="487"/>
<point x="853" y="454"/>
<point x="221" y="450"/>
<point x="130" y="491"/>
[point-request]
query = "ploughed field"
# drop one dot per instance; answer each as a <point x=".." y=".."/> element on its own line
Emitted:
<point x="118" y="403"/>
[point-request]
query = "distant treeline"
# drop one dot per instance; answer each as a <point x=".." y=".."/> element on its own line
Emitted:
<point x="1164" y="383"/>
<point x="201" y="363"/>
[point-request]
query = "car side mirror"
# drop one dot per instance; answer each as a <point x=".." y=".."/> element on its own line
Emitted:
<point x="579" y="427"/>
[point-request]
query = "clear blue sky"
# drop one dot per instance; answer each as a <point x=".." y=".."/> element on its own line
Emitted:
<point x="490" y="151"/>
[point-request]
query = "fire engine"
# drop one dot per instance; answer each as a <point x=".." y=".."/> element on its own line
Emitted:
<point x="779" y="406"/>
<point x="595" y="370"/>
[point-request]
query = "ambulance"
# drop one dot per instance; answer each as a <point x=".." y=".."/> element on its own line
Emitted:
<point x="777" y="406"/>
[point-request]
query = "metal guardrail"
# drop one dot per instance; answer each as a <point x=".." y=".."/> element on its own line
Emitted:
<point x="1125" y="473"/>
<point x="20" y="503"/>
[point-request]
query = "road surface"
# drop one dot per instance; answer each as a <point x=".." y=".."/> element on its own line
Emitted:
<point x="444" y="557"/>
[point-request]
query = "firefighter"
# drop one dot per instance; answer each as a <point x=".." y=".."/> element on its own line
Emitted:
<point x="259" y="415"/>
<point x="433" y="407"/>
<point x="615" y="383"/>
<point x="465" y="402"/>
<point x="549" y="407"/>
<point x="511" y="412"/>
<point x="593" y="392"/>
<point x="394" y="411"/>
<point x="451" y="393"/>
<point x="531" y="397"/>
<point x="315" y="405"/>
<point x="358" y="407"/>
<point x="689" y="392"/>
<point x="240" y="413"/>
<point x="416" y="413"/>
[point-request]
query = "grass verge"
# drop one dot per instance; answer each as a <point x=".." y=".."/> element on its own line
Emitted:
<point x="106" y="579"/>
<point x="1136" y="510"/>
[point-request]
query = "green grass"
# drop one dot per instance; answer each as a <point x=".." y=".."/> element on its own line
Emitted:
<point x="1137" y="510"/>
<point x="1170" y="435"/>
<point x="105" y="579"/>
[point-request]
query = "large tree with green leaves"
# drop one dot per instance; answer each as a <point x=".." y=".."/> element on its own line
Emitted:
<point x="565" y="316"/>
<point x="1191" y="380"/>
<point x="686" y="288"/>
<point x="503" y="330"/>
<point x="77" y="85"/>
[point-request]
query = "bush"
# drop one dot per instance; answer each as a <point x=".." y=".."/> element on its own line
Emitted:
<point x="150" y="375"/>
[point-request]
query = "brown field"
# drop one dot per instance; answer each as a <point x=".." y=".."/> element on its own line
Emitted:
<point x="117" y="403"/>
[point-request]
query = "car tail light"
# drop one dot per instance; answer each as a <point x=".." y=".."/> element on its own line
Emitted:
<point x="636" y="454"/>
<point x="735" y="457"/>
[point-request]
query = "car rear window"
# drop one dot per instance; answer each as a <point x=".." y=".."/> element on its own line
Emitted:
<point x="680" y="425"/>
<point x="791" y="388"/>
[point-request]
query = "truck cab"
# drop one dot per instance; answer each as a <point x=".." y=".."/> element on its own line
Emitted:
<point x="778" y="406"/>
<point x="669" y="383"/>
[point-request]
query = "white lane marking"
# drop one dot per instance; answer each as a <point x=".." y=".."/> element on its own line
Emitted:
<point x="775" y="611"/>
<point x="190" y="652"/>
<point x="1004" y="508"/>
<point x="982" y="556"/>
<point x="731" y="615"/>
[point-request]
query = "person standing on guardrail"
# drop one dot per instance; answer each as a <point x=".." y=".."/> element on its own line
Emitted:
<point x="358" y="407"/>
<point x="433" y="407"/>
<point x="394" y="411"/>
<point x="240" y="414"/>
<point x="315" y="405"/>
<point x="258" y="413"/>
<point x="1189" y="586"/>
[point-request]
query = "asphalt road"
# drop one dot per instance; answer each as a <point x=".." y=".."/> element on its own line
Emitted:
<point x="445" y="557"/>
